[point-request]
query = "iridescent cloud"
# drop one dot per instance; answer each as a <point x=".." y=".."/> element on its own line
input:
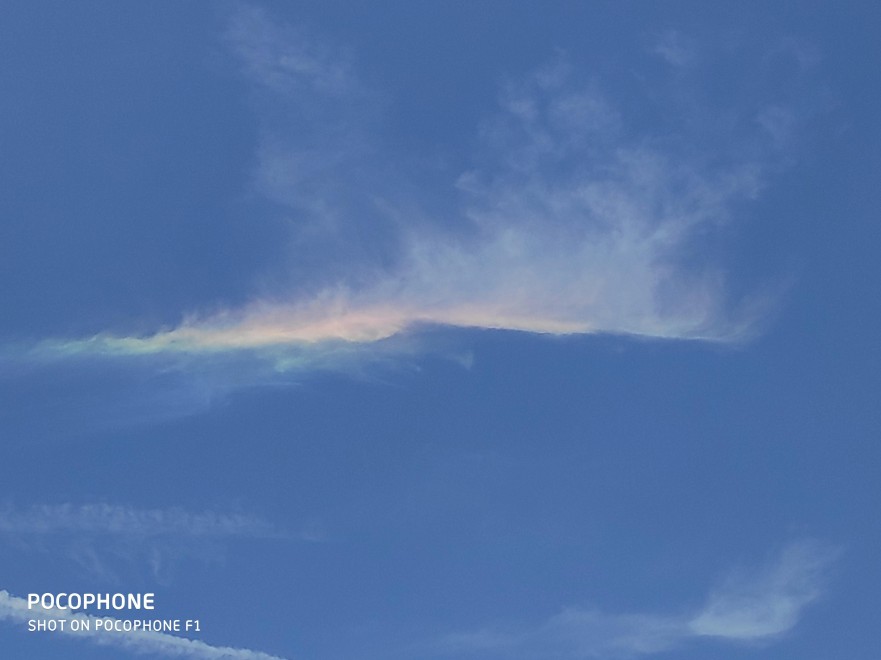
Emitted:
<point x="570" y="222"/>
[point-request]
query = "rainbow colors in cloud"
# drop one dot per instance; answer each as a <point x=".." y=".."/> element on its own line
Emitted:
<point x="570" y="224"/>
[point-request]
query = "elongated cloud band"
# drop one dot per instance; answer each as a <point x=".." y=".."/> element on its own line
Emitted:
<point x="108" y="540"/>
<point x="570" y="221"/>
<point x="128" y="521"/>
<point x="753" y="607"/>
<point x="15" y="610"/>
<point x="585" y="256"/>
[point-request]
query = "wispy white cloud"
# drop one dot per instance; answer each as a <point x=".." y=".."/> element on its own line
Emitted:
<point x="768" y="602"/>
<point x="675" y="49"/>
<point x="571" y="221"/>
<point x="757" y="606"/>
<point x="15" y="610"/>
<point x="314" y="115"/>
<point x="288" y="60"/>
<point x="126" y="520"/>
<point x="107" y="540"/>
<point x="574" y="633"/>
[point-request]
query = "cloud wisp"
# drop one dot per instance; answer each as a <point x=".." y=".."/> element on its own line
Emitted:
<point x="107" y="540"/>
<point x="15" y="610"/>
<point x="567" y="255"/>
<point x="755" y="607"/>
<point x="125" y="520"/>
<point x="572" y="220"/>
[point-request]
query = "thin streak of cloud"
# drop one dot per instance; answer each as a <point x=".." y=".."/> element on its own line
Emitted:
<point x="15" y="610"/>
<point x="112" y="519"/>
<point x="108" y="541"/>
<point x="758" y="607"/>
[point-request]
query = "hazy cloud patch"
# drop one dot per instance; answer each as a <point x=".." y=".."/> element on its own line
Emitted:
<point x="754" y="606"/>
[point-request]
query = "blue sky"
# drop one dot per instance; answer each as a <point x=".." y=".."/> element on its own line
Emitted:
<point x="443" y="330"/>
